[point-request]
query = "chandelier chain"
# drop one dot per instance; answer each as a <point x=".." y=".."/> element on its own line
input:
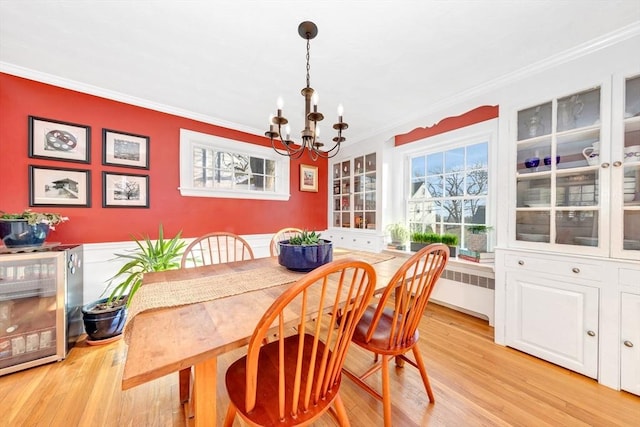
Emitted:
<point x="308" y="65"/>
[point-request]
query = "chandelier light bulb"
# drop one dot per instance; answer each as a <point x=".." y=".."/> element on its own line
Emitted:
<point x="279" y="103"/>
<point x="340" y="110"/>
<point x="315" y="99"/>
<point x="287" y="132"/>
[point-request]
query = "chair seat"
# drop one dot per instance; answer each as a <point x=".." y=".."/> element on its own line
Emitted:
<point x="267" y="383"/>
<point x="379" y="342"/>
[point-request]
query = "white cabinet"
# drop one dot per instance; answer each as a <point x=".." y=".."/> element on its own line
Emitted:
<point x="554" y="318"/>
<point x="354" y="211"/>
<point x="630" y="343"/>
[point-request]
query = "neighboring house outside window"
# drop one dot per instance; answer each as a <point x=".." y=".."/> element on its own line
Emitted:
<point x="212" y="166"/>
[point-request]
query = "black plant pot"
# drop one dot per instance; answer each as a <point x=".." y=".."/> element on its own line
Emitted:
<point x="101" y="324"/>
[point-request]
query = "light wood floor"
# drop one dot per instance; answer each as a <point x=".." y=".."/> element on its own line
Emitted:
<point x="476" y="383"/>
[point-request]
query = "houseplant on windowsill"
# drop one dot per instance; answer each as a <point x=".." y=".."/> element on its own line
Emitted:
<point x="421" y="239"/>
<point x="104" y="318"/>
<point x="477" y="238"/>
<point x="451" y="240"/>
<point x="399" y="236"/>
<point x="28" y="228"/>
<point x="305" y="251"/>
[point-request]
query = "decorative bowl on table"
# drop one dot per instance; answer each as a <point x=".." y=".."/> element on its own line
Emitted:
<point x="305" y="258"/>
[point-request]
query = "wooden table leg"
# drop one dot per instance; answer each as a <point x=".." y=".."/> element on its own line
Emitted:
<point x="204" y="393"/>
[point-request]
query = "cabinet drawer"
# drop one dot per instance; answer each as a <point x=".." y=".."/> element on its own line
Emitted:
<point x="557" y="267"/>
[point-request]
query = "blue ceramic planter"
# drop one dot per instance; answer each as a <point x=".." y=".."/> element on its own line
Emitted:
<point x="305" y="258"/>
<point x="17" y="233"/>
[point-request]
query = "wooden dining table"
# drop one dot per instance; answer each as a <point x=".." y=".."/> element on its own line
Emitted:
<point x="166" y="339"/>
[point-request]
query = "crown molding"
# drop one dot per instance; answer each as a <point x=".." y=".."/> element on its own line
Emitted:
<point x="53" y="80"/>
<point x="589" y="47"/>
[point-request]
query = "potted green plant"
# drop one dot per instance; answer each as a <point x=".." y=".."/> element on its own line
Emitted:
<point x="451" y="240"/>
<point x="421" y="239"/>
<point x="27" y="228"/>
<point x="105" y="317"/>
<point x="399" y="235"/>
<point x="477" y="237"/>
<point x="305" y="251"/>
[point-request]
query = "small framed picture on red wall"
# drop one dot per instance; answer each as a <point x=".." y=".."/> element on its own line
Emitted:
<point x="308" y="178"/>
<point x="53" y="139"/>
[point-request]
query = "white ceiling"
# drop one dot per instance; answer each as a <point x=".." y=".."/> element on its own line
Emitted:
<point x="226" y="62"/>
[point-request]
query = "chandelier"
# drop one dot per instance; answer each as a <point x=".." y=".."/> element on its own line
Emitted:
<point x="281" y="142"/>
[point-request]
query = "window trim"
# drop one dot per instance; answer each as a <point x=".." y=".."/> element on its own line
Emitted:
<point x="189" y="140"/>
<point x="468" y="135"/>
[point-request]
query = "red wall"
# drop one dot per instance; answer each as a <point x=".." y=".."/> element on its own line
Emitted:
<point x="20" y="98"/>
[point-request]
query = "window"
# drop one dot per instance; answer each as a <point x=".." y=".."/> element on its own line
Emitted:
<point x="212" y="166"/>
<point x="449" y="189"/>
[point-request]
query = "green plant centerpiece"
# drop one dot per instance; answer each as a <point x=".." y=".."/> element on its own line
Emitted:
<point x="27" y="228"/>
<point x="305" y="251"/>
<point x="105" y="317"/>
<point x="477" y="237"/>
<point x="399" y="234"/>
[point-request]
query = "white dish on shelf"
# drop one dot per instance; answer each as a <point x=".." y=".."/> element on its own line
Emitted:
<point x="529" y="237"/>
<point x="628" y="197"/>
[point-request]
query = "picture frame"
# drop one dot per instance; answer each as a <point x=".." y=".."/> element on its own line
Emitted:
<point x="125" y="149"/>
<point x="54" y="139"/>
<point x="125" y="190"/>
<point x="309" y="178"/>
<point x="49" y="186"/>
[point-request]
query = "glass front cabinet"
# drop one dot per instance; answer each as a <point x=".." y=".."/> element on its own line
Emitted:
<point x="354" y="200"/>
<point x="354" y="193"/>
<point x="578" y="171"/>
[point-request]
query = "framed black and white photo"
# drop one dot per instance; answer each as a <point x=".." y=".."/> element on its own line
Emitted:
<point x="121" y="190"/>
<point x="125" y="149"/>
<point x="59" y="187"/>
<point x="53" y="139"/>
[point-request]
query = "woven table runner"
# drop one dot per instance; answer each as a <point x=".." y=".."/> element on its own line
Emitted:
<point x="191" y="291"/>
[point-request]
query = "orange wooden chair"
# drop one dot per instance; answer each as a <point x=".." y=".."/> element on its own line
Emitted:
<point x="212" y="248"/>
<point x="390" y="328"/>
<point x="284" y="234"/>
<point x="216" y="248"/>
<point x="296" y="378"/>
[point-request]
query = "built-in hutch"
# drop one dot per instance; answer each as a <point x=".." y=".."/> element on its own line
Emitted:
<point x="568" y="279"/>
<point x="354" y="214"/>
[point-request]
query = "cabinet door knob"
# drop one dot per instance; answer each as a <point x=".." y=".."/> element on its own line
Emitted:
<point x="575" y="270"/>
<point x="521" y="262"/>
<point x="628" y="343"/>
<point x="591" y="333"/>
<point x="605" y="165"/>
<point x="617" y="163"/>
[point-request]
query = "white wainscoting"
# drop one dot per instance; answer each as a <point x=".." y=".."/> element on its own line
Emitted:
<point x="101" y="263"/>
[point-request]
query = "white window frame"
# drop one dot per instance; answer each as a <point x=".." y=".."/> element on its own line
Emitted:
<point x="486" y="131"/>
<point x="190" y="140"/>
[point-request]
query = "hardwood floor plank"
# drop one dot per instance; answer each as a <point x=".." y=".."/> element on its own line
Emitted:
<point x="476" y="383"/>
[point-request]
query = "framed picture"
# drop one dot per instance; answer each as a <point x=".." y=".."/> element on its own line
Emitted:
<point x="308" y="178"/>
<point x="122" y="190"/>
<point x="125" y="149"/>
<point x="59" y="187"/>
<point x="52" y="139"/>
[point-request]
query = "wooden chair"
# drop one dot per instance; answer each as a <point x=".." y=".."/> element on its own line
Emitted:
<point x="284" y="234"/>
<point x="212" y="248"/>
<point x="296" y="378"/>
<point x="390" y="328"/>
<point x="216" y="248"/>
